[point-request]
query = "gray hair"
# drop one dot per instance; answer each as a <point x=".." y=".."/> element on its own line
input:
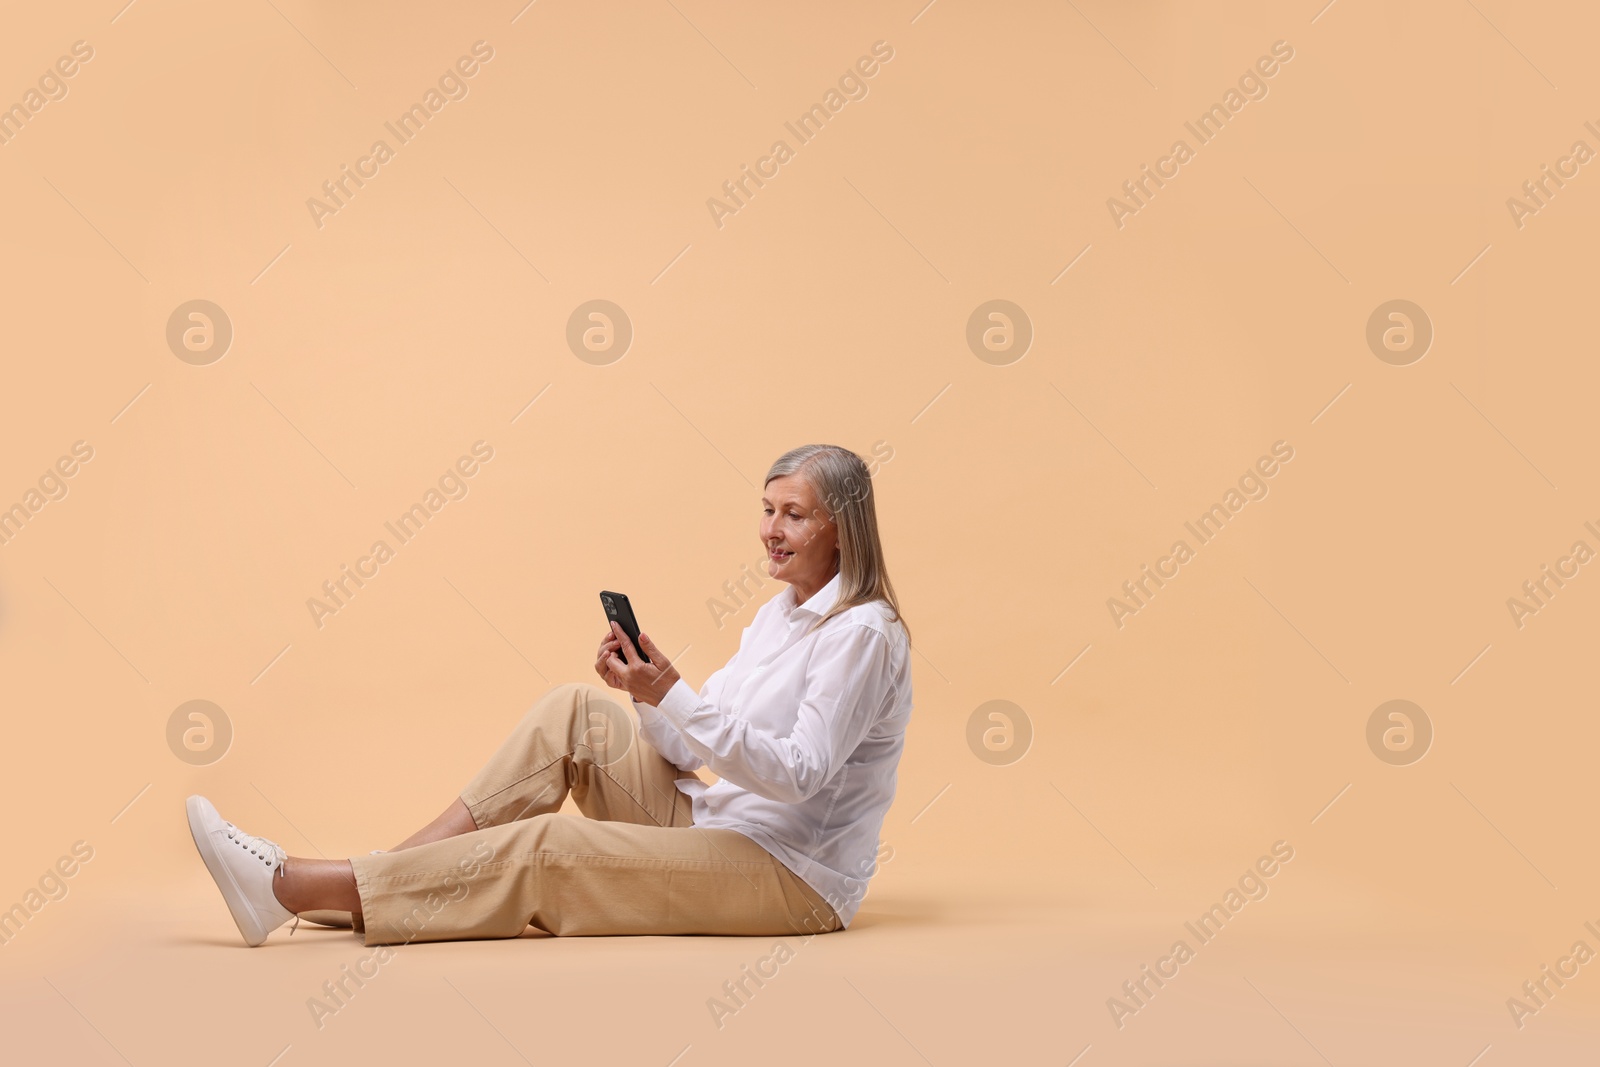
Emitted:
<point x="841" y="481"/>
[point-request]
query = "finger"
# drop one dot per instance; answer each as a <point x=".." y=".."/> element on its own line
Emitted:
<point x="617" y="638"/>
<point x="627" y="643"/>
<point x="658" y="659"/>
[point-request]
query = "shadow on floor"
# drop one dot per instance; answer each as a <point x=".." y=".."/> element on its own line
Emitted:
<point x="895" y="913"/>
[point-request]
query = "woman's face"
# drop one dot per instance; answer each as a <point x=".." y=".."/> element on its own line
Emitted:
<point x="801" y="540"/>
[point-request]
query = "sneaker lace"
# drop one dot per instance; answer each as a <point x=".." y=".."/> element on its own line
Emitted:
<point x="269" y="852"/>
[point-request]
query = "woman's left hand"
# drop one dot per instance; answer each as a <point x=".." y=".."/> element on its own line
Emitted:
<point x="647" y="683"/>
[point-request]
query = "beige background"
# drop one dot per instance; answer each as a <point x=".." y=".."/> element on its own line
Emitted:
<point x="1228" y="314"/>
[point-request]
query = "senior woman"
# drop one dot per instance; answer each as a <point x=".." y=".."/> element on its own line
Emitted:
<point x="803" y="728"/>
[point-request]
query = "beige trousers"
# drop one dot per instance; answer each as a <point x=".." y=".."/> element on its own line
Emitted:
<point x="632" y="863"/>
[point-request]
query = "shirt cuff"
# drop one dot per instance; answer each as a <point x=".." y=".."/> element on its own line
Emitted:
<point x="679" y="703"/>
<point x="648" y="713"/>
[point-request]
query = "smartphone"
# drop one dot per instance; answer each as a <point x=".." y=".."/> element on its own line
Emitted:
<point x="619" y="610"/>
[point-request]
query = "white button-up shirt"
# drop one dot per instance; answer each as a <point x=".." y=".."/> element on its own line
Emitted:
<point x="804" y="732"/>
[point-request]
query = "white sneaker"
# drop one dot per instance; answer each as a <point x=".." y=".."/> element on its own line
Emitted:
<point x="243" y="866"/>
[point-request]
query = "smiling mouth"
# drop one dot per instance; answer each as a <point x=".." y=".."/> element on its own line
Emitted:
<point x="778" y="555"/>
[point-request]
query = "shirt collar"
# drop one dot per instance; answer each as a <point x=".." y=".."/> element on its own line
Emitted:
<point x="820" y="601"/>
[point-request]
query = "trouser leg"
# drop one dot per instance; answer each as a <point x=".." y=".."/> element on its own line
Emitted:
<point x="570" y="875"/>
<point x="578" y="739"/>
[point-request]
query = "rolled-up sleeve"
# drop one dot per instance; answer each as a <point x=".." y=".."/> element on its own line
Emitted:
<point x="849" y="679"/>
